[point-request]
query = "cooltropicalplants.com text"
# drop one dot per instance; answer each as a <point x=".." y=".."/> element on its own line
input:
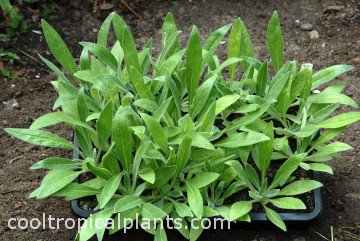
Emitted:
<point x="125" y="223"/>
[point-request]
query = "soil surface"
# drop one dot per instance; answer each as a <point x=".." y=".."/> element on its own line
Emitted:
<point x="338" y="42"/>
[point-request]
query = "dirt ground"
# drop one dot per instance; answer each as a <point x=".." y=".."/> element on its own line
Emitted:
<point x="338" y="42"/>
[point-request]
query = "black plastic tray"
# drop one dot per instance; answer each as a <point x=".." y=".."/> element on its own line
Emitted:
<point x="295" y="220"/>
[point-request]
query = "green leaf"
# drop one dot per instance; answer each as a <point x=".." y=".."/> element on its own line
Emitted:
<point x="330" y="149"/>
<point x="299" y="187"/>
<point x="169" y="28"/>
<point x="151" y="212"/>
<point x="88" y="229"/>
<point x="156" y="131"/>
<point x="239" y="45"/>
<point x="130" y="54"/>
<point x="163" y="175"/>
<point x="242" y="139"/>
<point x="262" y="79"/>
<point x="40" y="137"/>
<point x="98" y="171"/>
<point x="126" y="203"/>
<point x="275" y="41"/>
<point x="182" y="209"/>
<point x="56" y="163"/>
<point x="328" y="135"/>
<point x="58" y="48"/>
<point x="328" y="74"/>
<point x="307" y="131"/>
<point x="203" y="179"/>
<point x="341" y="120"/>
<point x="54" y="181"/>
<point x="224" y="102"/>
<point x="110" y="162"/>
<point x="215" y="38"/>
<point x="195" y="199"/>
<point x="299" y="82"/>
<point x="104" y="30"/>
<point x="201" y="96"/>
<point x="109" y="190"/>
<point x="288" y="203"/>
<point x="196" y="232"/>
<point x="184" y="152"/>
<point x="103" y="54"/>
<point x="75" y="191"/>
<point x="121" y="135"/>
<point x="276" y="86"/>
<point x="139" y="84"/>
<point x="275" y="218"/>
<point x="104" y="124"/>
<point x="193" y="63"/>
<point x="147" y="174"/>
<point x="160" y="234"/>
<point x="285" y="170"/>
<point x="321" y="167"/>
<point x="239" y="209"/>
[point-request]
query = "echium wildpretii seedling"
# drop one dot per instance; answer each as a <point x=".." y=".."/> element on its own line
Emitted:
<point x="174" y="136"/>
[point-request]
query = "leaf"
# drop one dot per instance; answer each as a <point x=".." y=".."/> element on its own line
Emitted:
<point x="163" y="175"/>
<point x="239" y="209"/>
<point x="193" y="63"/>
<point x="184" y="152"/>
<point x="307" y="131"/>
<point x="104" y="30"/>
<point x="321" y="167"/>
<point x="126" y="203"/>
<point x="88" y="229"/>
<point x="288" y="203"/>
<point x="195" y="200"/>
<point x="285" y="170"/>
<point x="104" y="124"/>
<point x="239" y="45"/>
<point x="215" y="38"/>
<point x="203" y="179"/>
<point x="242" y="139"/>
<point x="160" y="234"/>
<point x="264" y="149"/>
<point x="121" y="135"/>
<point x="53" y="118"/>
<point x="98" y="171"/>
<point x="276" y="86"/>
<point x="299" y="82"/>
<point x="341" y="120"/>
<point x="169" y="28"/>
<point x="139" y="84"/>
<point x="40" y="137"/>
<point x="156" y="131"/>
<point x="151" y="212"/>
<point x="330" y="149"/>
<point x="224" y="102"/>
<point x="328" y="74"/>
<point x="201" y="96"/>
<point x="182" y="209"/>
<point x="262" y="79"/>
<point x="299" y="187"/>
<point x="328" y="135"/>
<point x="58" y="48"/>
<point x="54" y="181"/>
<point x="275" y="218"/>
<point x="147" y="174"/>
<point x="275" y="41"/>
<point x="110" y="162"/>
<point x="103" y="54"/>
<point x="109" y="190"/>
<point x="56" y="163"/>
<point x="75" y="191"/>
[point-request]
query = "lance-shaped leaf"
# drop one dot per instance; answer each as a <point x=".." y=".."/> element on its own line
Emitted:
<point x="151" y="212"/>
<point x="58" y="48"/>
<point x="262" y="79"/>
<point x="215" y="38"/>
<point x="195" y="200"/>
<point x="40" y="137"/>
<point x="299" y="187"/>
<point x="109" y="190"/>
<point x="121" y="135"/>
<point x="156" y="131"/>
<point x="242" y="139"/>
<point x="275" y="41"/>
<point x="275" y="218"/>
<point x="104" y="124"/>
<point x="239" y="209"/>
<point x="341" y="120"/>
<point x="127" y="202"/>
<point x="193" y="63"/>
<point x="325" y="75"/>
<point x="102" y="53"/>
<point x="288" y="203"/>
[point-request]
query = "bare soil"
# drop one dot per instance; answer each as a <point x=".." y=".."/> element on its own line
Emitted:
<point x="338" y="42"/>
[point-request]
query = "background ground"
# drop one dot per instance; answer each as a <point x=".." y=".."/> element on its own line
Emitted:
<point x="338" y="42"/>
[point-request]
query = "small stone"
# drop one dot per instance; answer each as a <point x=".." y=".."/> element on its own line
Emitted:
<point x="306" y="26"/>
<point x="37" y="76"/>
<point x="314" y="34"/>
<point x="297" y="22"/>
<point x="11" y="104"/>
